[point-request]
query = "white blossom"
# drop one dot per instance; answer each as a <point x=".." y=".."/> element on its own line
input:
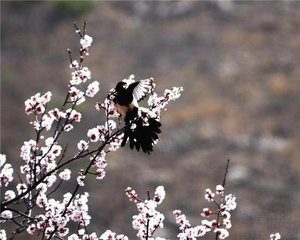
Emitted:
<point x="86" y="41"/>
<point x="9" y="194"/>
<point x="2" y="234"/>
<point x="6" y="171"/>
<point x="93" y="134"/>
<point x="65" y="174"/>
<point x="275" y="236"/>
<point x="82" y="145"/>
<point x="6" y="214"/>
<point x="92" y="89"/>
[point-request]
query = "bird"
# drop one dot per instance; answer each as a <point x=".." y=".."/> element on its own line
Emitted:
<point x="140" y="129"/>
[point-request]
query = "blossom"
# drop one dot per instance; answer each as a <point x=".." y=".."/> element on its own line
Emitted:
<point x="27" y="150"/>
<point x="2" y="234"/>
<point x="230" y="202"/>
<point x="99" y="161"/>
<point x="109" y="235"/>
<point x="2" y="159"/>
<point x="74" y="64"/>
<point x="80" y="76"/>
<point x="9" y="194"/>
<point x="56" y="114"/>
<point x="76" y="95"/>
<point x="222" y="233"/>
<point x="159" y="194"/>
<point x="132" y="195"/>
<point x="206" y="212"/>
<point x="275" y="236"/>
<point x="6" y="214"/>
<point x="80" y="179"/>
<point x="200" y="231"/>
<point x="31" y="229"/>
<point x="36" y="103"/>
<point x="219" y="190"/>
<point x="65" y="174"/>
<point x="82" y="145"/>
<point x="181" y="220"/>
<point x="42" y="200"/>
<point x="148" y="219"/>
<point x="92" y="89"/>
<point x="6" y="171"/>
<point x="209" y="195"/>
<point x="73" y="115"/>
<point x="68" y="127"/>
<point x="109" y="107"/>
<point x="21" y="188"/>
<point x="86" y="41"/>
<point x="100" y="173"/>
<point x="116" y="142"/>
<point x="93" y="134"/>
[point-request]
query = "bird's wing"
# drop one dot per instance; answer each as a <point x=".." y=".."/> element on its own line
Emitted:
<point x="142" y="88"/>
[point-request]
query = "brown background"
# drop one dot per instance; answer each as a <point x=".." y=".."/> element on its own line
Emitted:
<point x="239" y="65"/>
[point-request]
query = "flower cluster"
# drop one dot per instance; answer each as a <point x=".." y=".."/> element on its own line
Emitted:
<point x="158" y="104"/>
<point x="37" y="103"/>
<point x="6" y="171"/>
<point x="148" y="219"/>
<point x="275" y="236"/>
<point x="219" y="225"/>
<point x="107" y="235"/>
<point x="45" y="167"/>
<point x="57" y="216"/>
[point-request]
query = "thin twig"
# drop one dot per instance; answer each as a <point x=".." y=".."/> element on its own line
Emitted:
<point x="226" y="172"/>
<point x="223" y="184"/>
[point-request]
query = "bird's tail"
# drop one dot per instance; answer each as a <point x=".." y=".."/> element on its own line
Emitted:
<point x="142" y="131"/>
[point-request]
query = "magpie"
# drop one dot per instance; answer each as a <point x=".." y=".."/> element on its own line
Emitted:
<point x="140" y="129"/>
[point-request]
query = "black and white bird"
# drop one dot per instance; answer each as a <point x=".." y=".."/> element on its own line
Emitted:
<point x="126" y="96"/>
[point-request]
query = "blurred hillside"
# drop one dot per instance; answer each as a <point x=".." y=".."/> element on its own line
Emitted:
<point x="239" y="65"/>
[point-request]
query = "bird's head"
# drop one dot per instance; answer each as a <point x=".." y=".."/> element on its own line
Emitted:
<point x="121" y="86"/>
